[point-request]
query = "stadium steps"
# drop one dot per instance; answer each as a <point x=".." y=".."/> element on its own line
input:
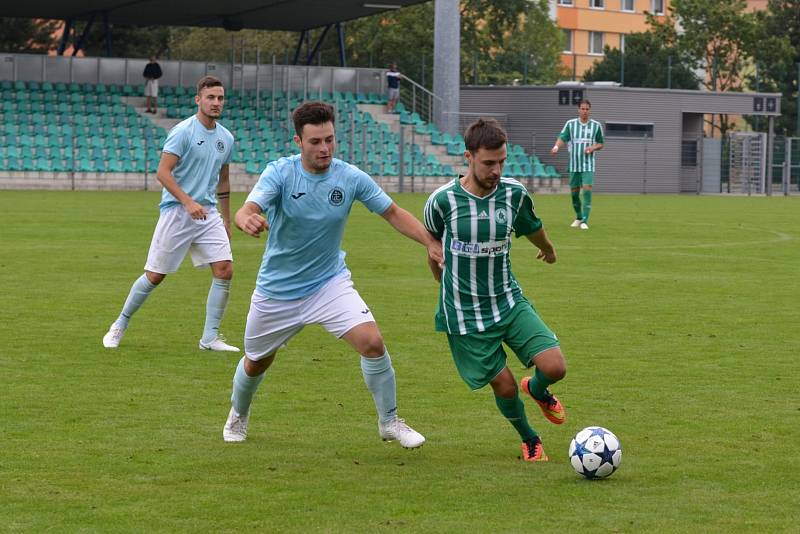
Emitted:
<point x="392" y="120"/>
<point x="159" y="119"/>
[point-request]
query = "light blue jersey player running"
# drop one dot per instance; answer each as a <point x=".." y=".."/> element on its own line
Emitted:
<point x="303" y="278"/>
<point x="194" y="173"/>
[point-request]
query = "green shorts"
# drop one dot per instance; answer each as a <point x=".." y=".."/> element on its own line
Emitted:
<point x="578" y="179"/>
<point x="479" y="357"/>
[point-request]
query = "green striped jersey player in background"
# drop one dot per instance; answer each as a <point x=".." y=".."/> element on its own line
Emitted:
<point x="584" y="137"/>
<point x="481" y="305"/>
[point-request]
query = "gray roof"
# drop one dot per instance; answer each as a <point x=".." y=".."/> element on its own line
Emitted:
<point x="289" y="15"/>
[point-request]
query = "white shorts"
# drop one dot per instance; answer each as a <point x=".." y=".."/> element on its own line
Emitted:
<point x="151" y="88"/>
<point x="177" y="233"/>
<point x="271" y="323"/>
<point x="394" y="93"/>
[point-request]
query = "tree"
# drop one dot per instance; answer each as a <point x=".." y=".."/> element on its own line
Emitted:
<point x="501" y="40"/>
<point x="647" y="64"/>
<point x="30" y="36"/>
<point x="777" y="61"/>
<point x="720" y="38"/>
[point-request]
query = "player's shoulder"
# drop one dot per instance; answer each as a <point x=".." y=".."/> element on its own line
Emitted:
<point x="442" y="191"/>
<point x="184" y="126"/>
<point x="224" y="131"/>
<point x="513" y="184"/>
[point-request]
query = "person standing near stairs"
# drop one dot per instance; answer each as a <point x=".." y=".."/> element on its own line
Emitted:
<point x="393" y="78"/>
<point x="152" y="72"/>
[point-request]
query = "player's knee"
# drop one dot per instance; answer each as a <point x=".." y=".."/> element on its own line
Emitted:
<point x="223" y="270"/>
<point x="154" y="278"/>
<point x="506" y="390"/>
<point x="373" y="346"/>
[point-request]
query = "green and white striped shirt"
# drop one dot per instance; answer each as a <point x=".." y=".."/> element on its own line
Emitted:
<point x="579" y="137"/>
<point x="478" y="288"/>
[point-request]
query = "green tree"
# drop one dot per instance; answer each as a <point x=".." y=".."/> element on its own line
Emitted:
<point x="720" y="38"/>
<point x="126" y="41"/>
<point x="504" y="42"/>
<point x="30" y="36"/>
<point x="777" y="61"/>
<point x="647" y="64"/>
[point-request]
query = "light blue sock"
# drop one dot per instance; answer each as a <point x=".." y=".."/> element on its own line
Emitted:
<point x="244" y="387"/>
<point x="215" y="308"/>
<point x="379" y="377"/>
<point x="140" y="290"/>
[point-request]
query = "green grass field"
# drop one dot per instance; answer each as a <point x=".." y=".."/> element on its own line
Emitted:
<point x="678" y="316"/>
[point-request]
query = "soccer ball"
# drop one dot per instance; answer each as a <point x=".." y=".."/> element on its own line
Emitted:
<point x="595" y="452"/>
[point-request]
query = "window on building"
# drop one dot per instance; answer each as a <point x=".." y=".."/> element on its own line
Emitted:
<point x="597" y="4"/>
<point x="595" y="42"/>
<point x="568" y="41"/>
<point x="627" y="5"/>
<point x="688" y="153"/>
<point x="565" y="2"/>
<point x="622" y="129"/>
<point x="658" y="7"/>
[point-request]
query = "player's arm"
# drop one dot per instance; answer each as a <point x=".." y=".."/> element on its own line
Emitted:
<point x="561" y="140"/>
<point x="164" y="175"/>
<point x="249" y="219"/>
<point x="224" y="197"/>
<point x="598" y="142"/>
<point x="409" y="226"/>
<point x="547" y="251"/>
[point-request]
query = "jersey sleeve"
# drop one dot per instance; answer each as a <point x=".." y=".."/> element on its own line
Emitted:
<point x="526" y="222"/>
<point x="433" y="217"/>
<point x="176" y="142"/>
<point x="268" y="188"/>
<point x="369" y="193"/>
<point x="565" y="135"/>
<point x="598" y="136"/>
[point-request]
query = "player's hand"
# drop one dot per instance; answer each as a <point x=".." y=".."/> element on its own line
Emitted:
<point x="254" y="224"/>
<point x="195" y="210"/>
<point x="589" y="150"/>
<point x="547" y="256"/>
<point x="435" y="253"/>
<point x="436" y="269"/>
<point x="554" y="150"/>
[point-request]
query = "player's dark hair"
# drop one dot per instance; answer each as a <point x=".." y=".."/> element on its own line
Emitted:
<point x="208" y="81"/>
<point x="585" y="102"/>
<point x="484" y="133"/>
<point x="312" y="113"/>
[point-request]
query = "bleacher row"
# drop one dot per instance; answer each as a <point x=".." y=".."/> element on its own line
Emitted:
<point x="89" y="128"/>
<point x="75" y="127"/>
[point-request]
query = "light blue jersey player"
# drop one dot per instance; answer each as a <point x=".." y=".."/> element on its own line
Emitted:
<point x="303" y="277"/>
<point x="194" y="173"/>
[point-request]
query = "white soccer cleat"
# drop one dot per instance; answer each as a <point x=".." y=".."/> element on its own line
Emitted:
<point x="584" y="226"/>
<point x="113" y="336"/>
<point x="400" y="431"/>
<point x="218" y="345"/>
<point x="576" y="223"/>
<point x="235" y="429"/>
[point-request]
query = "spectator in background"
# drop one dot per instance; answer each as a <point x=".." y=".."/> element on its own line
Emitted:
<point x="393" y="78"/>
<point x="152" y="72"/>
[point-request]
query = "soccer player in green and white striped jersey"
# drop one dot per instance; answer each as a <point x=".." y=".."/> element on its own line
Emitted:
<point x="584" y="137"/>
<point x="481" y="305"/>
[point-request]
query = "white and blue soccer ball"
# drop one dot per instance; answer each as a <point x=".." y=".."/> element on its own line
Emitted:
<point x="595" y="452"/>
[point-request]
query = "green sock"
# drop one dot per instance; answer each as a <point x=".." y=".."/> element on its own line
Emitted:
<point x="514" y="411"/>
<point x="538" y="383"/>
<point x="587" y="204"/>
<point x="576" y="203"/>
